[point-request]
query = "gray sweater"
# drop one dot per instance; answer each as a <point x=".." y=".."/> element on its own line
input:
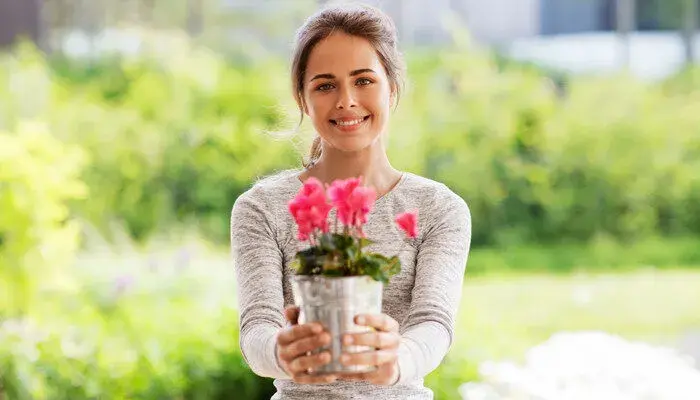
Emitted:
<point x="423" y="297"/>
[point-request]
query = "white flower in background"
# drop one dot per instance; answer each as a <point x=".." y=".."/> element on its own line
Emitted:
<point x="589" y="365"/>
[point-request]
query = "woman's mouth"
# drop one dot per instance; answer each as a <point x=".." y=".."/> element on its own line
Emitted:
<point x="349" y="124"/>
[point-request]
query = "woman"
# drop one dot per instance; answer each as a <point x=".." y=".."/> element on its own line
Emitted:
<point x="346" y="75"/>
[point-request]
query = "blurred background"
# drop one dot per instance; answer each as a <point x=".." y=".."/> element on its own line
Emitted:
<point x="571" y="128"/>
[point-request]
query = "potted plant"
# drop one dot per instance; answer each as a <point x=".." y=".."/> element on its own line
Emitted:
<point x="336" y="277"/>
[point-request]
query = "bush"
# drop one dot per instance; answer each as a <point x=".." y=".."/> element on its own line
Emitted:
<point x="172" y="137"/>
<point x="176" y="134"/>
<point x="38" y="174"/>
<point x="615" y="157"/>
<point x="130" y="330"/>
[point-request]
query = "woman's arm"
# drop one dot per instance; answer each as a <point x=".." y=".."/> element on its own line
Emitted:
<point x="427" y="333"/>
<point x="258" y="263"/>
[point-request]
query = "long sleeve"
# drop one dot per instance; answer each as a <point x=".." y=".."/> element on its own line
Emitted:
<point x="258" y="264"/>
<point x="428" y="331"/>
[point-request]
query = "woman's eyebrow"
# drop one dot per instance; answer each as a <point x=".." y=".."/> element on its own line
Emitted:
<point x="322" y="76"/>
<point x="361" y="71"/>
<point x="353" y="73"/>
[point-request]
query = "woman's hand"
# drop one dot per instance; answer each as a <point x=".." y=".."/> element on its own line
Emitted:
<point x="294" y="342"/>
<point x="385" y="339"/>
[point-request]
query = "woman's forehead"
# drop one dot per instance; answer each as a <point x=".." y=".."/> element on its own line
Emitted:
<point x="340" y="54"/>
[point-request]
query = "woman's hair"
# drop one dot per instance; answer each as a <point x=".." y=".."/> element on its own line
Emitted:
<point x="359" y="20"/>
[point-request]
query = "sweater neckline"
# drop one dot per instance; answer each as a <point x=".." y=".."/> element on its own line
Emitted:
<point x="404" y="176"/>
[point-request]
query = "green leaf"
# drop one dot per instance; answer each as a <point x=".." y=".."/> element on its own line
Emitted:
<point x="342" y="242"/>
<point x="309" y="261"/>
<point x="328" y="243"/>
<point x="296" y="265"/>
<point x="393" y="267"/>
<point x="364" y="242"/>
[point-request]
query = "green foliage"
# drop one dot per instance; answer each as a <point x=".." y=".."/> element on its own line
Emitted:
<point x="339" y="254"/>
<point x="603" y="177"/>
<point x="173" y="136"/>
<point x="614" y="156"/>
<point x="38" y="174"/>
<point x="126" y="330"/>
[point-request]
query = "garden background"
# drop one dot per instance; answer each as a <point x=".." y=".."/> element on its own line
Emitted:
<point x="128" y="129"/>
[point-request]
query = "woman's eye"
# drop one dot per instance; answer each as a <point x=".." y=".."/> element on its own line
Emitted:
<point x="324" y="87"/>
<point x="363" y="81"/>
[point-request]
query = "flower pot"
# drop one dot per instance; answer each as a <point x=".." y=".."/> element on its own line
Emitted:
<point x="334" y="302"/>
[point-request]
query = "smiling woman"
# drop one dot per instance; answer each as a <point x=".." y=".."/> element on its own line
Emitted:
<point x="346" y="75"/>
<point x="347" y="79"/>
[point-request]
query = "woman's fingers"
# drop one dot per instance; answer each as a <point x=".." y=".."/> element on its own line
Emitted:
<point x="379" y="340"/>
<point x="369" y="358"/>
<point x="381" y="322"/>
<point x="291" y="313"/>
<point x="297" y="332"/>
<point x="303" y="364"/>
<point x="302" y="346"/>
<point x="295" y="345"/>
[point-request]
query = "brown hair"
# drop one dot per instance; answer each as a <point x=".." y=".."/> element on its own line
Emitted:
<point x="360" y="20"/>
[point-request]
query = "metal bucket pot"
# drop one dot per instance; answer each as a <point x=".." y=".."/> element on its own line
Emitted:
<point x="334" y="302"/>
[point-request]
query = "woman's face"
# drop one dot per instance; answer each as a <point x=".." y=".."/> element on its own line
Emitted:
<point x="347" y="93"/>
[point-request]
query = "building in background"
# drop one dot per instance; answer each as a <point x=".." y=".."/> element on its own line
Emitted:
<point x="19" y="18"/>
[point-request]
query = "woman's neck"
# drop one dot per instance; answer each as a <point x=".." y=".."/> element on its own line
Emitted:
<point x="371" y="164"/>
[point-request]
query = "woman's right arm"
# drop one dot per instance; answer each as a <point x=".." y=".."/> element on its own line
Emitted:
<point x="258" y="264"/>
<point x="270" y="349"/>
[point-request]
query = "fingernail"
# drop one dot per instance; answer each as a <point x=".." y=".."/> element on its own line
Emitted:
<point x="348" y="339"/>
<point x="344" y="359"/>
<point x="360" y="320"/>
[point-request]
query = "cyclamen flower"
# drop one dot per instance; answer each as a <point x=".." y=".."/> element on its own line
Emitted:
<point x="310" y="208"/>
<point x="408" y="222"/>
<point x="353" y="202"/>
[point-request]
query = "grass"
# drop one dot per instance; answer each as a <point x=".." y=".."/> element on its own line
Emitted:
<point x="601" y="254"/>
<point x="502" y="316"/>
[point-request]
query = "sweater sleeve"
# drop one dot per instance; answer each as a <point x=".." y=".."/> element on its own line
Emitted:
<point x="428" y="331"/>
<point x="258" y="263"/>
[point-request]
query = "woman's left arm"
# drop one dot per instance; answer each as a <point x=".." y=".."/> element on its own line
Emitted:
<point x="428" y="331"/>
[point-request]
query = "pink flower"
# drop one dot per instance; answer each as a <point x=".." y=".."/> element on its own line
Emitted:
<point x="360" y="203"/>
<point x="340" y="190"/>
<point x="408" y="222"/>
<point x="310" y="208"/>
<point x="353" y="201"/>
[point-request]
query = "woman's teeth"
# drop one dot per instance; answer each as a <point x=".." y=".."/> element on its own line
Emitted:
<point x="347" y="123"/>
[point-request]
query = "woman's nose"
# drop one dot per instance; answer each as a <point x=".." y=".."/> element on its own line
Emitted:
<point x="346" y="99"/>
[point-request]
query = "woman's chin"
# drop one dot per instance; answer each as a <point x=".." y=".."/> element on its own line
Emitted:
<point x="351" y="145"/>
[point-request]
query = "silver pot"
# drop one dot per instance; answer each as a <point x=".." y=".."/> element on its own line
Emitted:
<point x="334" y="302"/>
